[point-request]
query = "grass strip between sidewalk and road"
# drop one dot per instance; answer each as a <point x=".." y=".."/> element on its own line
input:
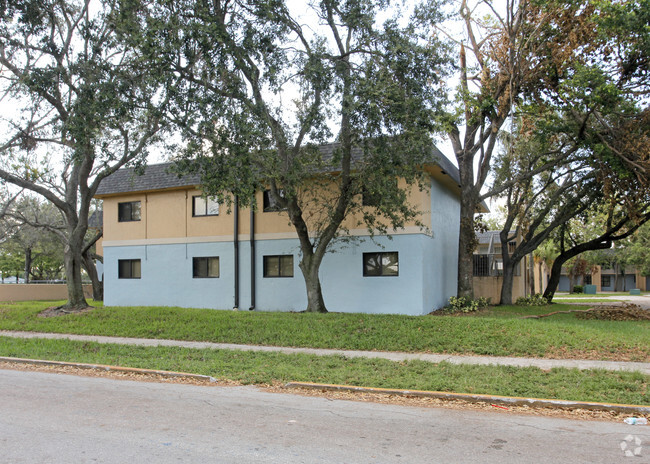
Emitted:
<point x="499" y="331"/>
<point x="270" y="368"/>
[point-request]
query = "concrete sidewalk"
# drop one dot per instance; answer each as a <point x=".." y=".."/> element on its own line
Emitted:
<point x="541" y="363"/>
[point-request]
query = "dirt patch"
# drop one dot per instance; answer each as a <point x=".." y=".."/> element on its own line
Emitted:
<point x="633" y="354"/>
<point x="55" y="311"/>
<point x="400" y="400"/>
<point x="624" y="312"/>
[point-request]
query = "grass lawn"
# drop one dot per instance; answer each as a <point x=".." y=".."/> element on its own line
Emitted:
<point x="269" y="368"/>
<point x="498" y="331"/>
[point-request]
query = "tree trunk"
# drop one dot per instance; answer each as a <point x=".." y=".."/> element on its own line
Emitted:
<point x="309" y="265"/>
<point x="73" y="264"/>
<point x="466" y="247"/>
<point x="91" y="269"/>
<point x="507" y="283"/>
<point x="28" y="264"/>
<point x="531" y="274"/>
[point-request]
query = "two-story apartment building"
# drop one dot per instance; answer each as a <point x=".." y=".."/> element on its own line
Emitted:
<point x="166" y="244"/>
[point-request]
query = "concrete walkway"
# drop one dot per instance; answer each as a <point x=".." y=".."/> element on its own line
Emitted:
<point x="541" y="363"/>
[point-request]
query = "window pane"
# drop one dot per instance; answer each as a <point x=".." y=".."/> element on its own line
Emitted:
<point x="371" y="264"/>
<point x="390" y="265"/>
<point x="213" y="267"/>
<point x="199" y="207"/>
<point x="129" y="211"/>
<point x="269" y="204"/>
<point x="128" y="268"/>
<point x="124" y="212"/>
<point x="124" y="268"/>
<point x="135" y="211"/>
<point x="135" y="269"/>
<point x="198" y="267"/>
<point x="213" y="207"/>
<point x="286" y="266"/>
<point x="271" y="266"/>
<point x="381" y="264"/>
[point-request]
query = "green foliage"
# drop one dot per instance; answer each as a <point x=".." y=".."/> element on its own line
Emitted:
<point x="532" y="300"/>
<point x="465" y="304"/>
<point x="578" y="289"/>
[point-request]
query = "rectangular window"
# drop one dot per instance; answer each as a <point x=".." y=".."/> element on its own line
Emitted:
<point x="587" y="280"/>
<point x="205" y="267"/>
<point x="128" y="268"/>
<point x="381" y="264"/>
<point x="128" y="211"/>
<point x="202" y="206"/>
<point x="481" y="265"/>
<point x="605" y="281"/>
<point x="269" y="204"/>
<point x="278" y="266"/>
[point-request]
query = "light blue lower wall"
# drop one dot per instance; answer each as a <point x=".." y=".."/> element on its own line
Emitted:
<point x="166" y="277"/>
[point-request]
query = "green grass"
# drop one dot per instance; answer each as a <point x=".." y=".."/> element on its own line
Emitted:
<point x="588" y="295"/>
<point x="498" y="332"/>
<point x="268" y="368"/>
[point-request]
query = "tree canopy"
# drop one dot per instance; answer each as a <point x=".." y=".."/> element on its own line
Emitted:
<point x="84" y="105"/>
<point x="261" y="91"/>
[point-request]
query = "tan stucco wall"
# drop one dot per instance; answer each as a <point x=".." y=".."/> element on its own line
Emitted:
<point x="25" y="292"/>
<point x="124" y="230"/>
<point x="490" y="287"/>
<point x="168" y="214"/>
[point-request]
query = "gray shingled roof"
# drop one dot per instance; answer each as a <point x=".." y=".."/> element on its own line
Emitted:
<point x="158" y="176"/>
<point x="155" y="177"/>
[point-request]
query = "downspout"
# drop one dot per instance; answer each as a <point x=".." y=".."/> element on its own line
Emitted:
<point x="252" y="240"/>
<point x="235" y="240"/>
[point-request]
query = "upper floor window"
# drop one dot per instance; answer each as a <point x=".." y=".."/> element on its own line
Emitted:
<point x="381" y="264"/>
<point x="202" y="206"/>
<point x="128" y="211"/>
<point x="128" y="268"/>
<point x="278" y="266"/>
<point x="205" y="267"/>
<point x="269" y="204"/>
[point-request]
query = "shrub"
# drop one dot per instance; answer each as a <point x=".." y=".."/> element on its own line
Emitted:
<point x="532" y="300"/>
<point x="465" y="304"/>
<point x="577" y="289"/>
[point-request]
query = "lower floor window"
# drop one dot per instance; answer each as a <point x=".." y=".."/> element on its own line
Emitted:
<point x="605" y="281"/>
<point x="128" y="268"/>
<point x="205" y="267"/>
<point x="381" y="264"/>
<point x="278" y="266"/>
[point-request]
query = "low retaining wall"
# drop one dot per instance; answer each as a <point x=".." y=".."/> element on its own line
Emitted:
<point x="25" y="292"/>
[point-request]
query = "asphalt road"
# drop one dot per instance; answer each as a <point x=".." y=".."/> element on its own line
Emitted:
<point x="51" y="418"/>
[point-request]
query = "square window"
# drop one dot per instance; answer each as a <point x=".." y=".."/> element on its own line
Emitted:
<point x="269" y="204"/>
<point x="128" y="268"/>
<point x="605" y="281"/>
<point x="202" y="206"/>
<point x="128" y="211"/>
<point x="205" y="267"/>
<point x="278" y="266"/>
<point x="381" y="264"/>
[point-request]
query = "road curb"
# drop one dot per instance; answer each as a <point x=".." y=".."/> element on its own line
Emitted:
<point x="103" y="367"/>
<point x="505" y="400"/>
